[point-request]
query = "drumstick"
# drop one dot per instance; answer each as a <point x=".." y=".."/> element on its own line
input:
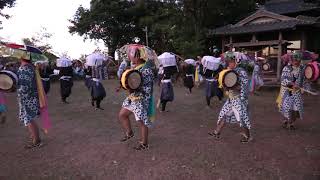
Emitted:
<point x="178" y="56"/>
<point x="158" y="103"/>
<point x="159" y="99"/>
<point x="305" y="90"/>
<point x="310" y="92"/>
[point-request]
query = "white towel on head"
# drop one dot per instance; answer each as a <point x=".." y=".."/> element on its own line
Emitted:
<point x="190" y="61"/>
<point x="167" y="59"/>
<point x="211" y="63"/>
<point x="64" y="62"/>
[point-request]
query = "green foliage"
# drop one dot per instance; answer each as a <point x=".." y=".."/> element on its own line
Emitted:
<point x="52" y="58"/>
<point x="6" y="3"/>
<point x="3" y="4"/>
<point x="178" y="26"/>
<point x="248" y="66"/>
<point x="39" y="40"/>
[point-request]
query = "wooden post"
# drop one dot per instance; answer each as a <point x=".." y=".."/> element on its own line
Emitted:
<point x="279" y="57"/>
<point x="222" y="44"/>
<point x="230" y="43"/>
<point x="253" y="38"/>
<point x="303" y="43"/>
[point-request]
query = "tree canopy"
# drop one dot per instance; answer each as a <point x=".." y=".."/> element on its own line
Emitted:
<point x="178" y="26"/>
<point x="3" y="4"/>
<point x="39" y="40"/>
<point x="6" y="3"/>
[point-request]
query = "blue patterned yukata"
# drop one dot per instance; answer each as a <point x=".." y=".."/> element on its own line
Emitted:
<point x="291" y="100"/>
<point x="138" y="102"/>
<point x="256" y="80"/>
<point x="28" y="99"/>
<point x="235" y="109"/>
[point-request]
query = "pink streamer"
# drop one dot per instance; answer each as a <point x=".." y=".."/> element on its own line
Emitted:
<point x="44" y="116"/>
<point x="252" y="83"/>
<point x="2" y="98"/>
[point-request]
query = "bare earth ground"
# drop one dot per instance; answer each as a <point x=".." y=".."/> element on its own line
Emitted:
<point x="84" y="144"/>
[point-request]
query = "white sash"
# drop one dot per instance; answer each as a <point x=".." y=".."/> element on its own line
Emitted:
<point x="67" y="78"/>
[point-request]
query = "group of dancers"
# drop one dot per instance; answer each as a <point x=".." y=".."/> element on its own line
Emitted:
<point x="141" y="102"/>
<point x="236" y="106"/>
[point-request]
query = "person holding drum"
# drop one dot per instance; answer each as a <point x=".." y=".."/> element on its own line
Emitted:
<point x="290" y="102"/>
<point x="28" y="99"/>
<point x="235" y="82"/>
<point x="139" y="81"/>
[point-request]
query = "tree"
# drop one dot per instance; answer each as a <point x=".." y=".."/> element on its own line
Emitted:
<point x="6" y="3"/>
<point x="112" y="21"/>
<point x="3" y="4"/>
<point x="39" y="40"/>
<point x="179" y="26"/>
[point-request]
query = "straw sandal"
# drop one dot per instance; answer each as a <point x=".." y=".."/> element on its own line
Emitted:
<point x="285" y="125"/>
<point x="214" y="134"/>
<point x="33" y="145"/>
<point x="3" y="119"/>
<point x="141" y="146"/>
<point x="127" y="137"/>
<point x="291" y="127"/>
<point x="245" y="138"/>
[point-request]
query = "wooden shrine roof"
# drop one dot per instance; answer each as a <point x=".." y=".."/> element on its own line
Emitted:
<point x="264" y="21"/>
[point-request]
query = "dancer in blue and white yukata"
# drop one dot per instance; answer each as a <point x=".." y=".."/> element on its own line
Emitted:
<point x="28" y="100"/>
<point x="290" y="101"/>
<point x="235" y="109"/>
<point x="256" y="80"/>
<point x="139" y="102"/>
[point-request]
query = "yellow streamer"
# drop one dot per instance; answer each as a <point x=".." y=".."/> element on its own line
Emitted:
<point x="41" y="93"/>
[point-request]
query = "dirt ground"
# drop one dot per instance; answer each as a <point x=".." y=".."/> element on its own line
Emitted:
<point x="83" y="144"/>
